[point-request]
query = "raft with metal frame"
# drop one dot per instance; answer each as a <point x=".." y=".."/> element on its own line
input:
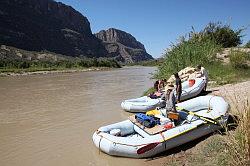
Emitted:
<point x="145" y="103"/>
<point x="199" y="116"/>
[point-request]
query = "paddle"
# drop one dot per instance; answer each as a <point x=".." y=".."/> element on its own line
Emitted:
<point x="148" y="147"/>
<point x="201" y="117"/>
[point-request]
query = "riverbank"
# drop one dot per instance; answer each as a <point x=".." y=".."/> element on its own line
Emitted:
<point x="227" y="148"/>
<point x="15" y="62"/>
<point x="52" y="71"/>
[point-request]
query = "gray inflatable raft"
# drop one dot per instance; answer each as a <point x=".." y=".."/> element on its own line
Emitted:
<point x="126" y="139"/>
<point x="145" y="103"/>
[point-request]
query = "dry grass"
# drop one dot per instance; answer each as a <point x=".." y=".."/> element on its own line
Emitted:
<point x="237" y="143"/>
<point x="230" y="147"/>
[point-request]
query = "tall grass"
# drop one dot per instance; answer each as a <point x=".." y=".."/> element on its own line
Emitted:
<point x="237" y="142"/>
<point x="238" y="59"/>
<point x="198" y="50"/>
<point x="231" y="147"/>
<point x="188" y="53"/>
<point x="226" y="73"/>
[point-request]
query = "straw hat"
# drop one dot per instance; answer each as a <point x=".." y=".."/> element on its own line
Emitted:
<point x="169" y="87"/>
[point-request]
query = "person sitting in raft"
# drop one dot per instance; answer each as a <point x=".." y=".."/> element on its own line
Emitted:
<point x="178" y="87"/>
<point x="156" y="86"/>
<point x="157" y="92"/>
<point x="161" y="84"/>
<point x="202" y="73"/>
<point x="170" y="98"/>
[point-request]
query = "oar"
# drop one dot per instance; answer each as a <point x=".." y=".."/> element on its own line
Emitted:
<point x="201" y="117"/>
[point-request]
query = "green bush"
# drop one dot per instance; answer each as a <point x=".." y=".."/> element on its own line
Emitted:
<point x="239" y="59"/>
<point x="154" y="62"/>
<point x="84" y="63"/>
<point x="201" y="48"/>
<point x="223" y="34"/>
<point x="188" y="53"/>
<point x="22" y="65"/>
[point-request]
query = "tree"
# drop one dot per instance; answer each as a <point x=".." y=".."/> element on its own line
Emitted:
<point x="223" y="34"/>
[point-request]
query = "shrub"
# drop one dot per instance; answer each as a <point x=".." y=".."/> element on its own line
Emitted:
<point x="84" y="63"/>
<point x="223" y="34"/>
<point x="239" y="59"/>
<point x="51" y="65"/>
<point x="200" y="48"/>
<point x="188" y="53"/>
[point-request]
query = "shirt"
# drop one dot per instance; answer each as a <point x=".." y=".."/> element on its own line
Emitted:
<point x="170" y="101"/>
<point x="204" y="73"/>
<point x="178" y="85"/>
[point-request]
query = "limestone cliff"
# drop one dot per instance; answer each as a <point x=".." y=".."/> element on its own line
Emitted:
<point x="123" y="46"/>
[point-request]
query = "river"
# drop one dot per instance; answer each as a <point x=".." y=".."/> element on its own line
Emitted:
<point x="48" y="120"/>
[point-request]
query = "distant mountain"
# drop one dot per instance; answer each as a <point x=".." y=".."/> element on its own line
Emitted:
<point x="37" y="25"/>
<point x="46" y="25"/>
<point x="123" y="46"/>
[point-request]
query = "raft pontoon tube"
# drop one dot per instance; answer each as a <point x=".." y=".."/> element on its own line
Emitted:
<point x="133" y="141"/>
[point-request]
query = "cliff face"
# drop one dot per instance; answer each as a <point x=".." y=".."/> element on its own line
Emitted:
<point x="47" y="25"/>
<point x="123" y="46"/>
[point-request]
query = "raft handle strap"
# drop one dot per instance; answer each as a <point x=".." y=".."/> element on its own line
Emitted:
<point x="99" y="144"/>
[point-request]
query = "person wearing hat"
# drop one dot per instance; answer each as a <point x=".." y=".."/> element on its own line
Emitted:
<point x="170" y="98"/>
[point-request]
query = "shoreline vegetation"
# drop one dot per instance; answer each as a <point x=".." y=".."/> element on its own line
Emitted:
<point x="206" y="48"/>
<point x="26" y="67"/>
<point x="149" y="63"/>
<point x="50" y="71"/>
<point x="216" y="48"/>
<point x="15" y="61"/>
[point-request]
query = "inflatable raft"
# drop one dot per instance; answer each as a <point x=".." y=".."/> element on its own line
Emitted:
<point x="145" y="103"/>
<point x="128" y="139"/>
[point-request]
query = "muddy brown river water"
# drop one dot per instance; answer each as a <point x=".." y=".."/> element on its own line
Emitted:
<point x="48" y="120"/>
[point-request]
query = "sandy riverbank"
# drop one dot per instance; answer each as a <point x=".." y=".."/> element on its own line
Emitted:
<point x="198" y="152"/>
<point x="237" y="95"/>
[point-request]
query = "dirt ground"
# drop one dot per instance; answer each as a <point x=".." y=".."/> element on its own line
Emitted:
<point x="194" y="153"/>
<point x="237" y="95"/>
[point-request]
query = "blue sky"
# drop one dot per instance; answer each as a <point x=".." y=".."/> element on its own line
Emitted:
<point x="158" y="23"/>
